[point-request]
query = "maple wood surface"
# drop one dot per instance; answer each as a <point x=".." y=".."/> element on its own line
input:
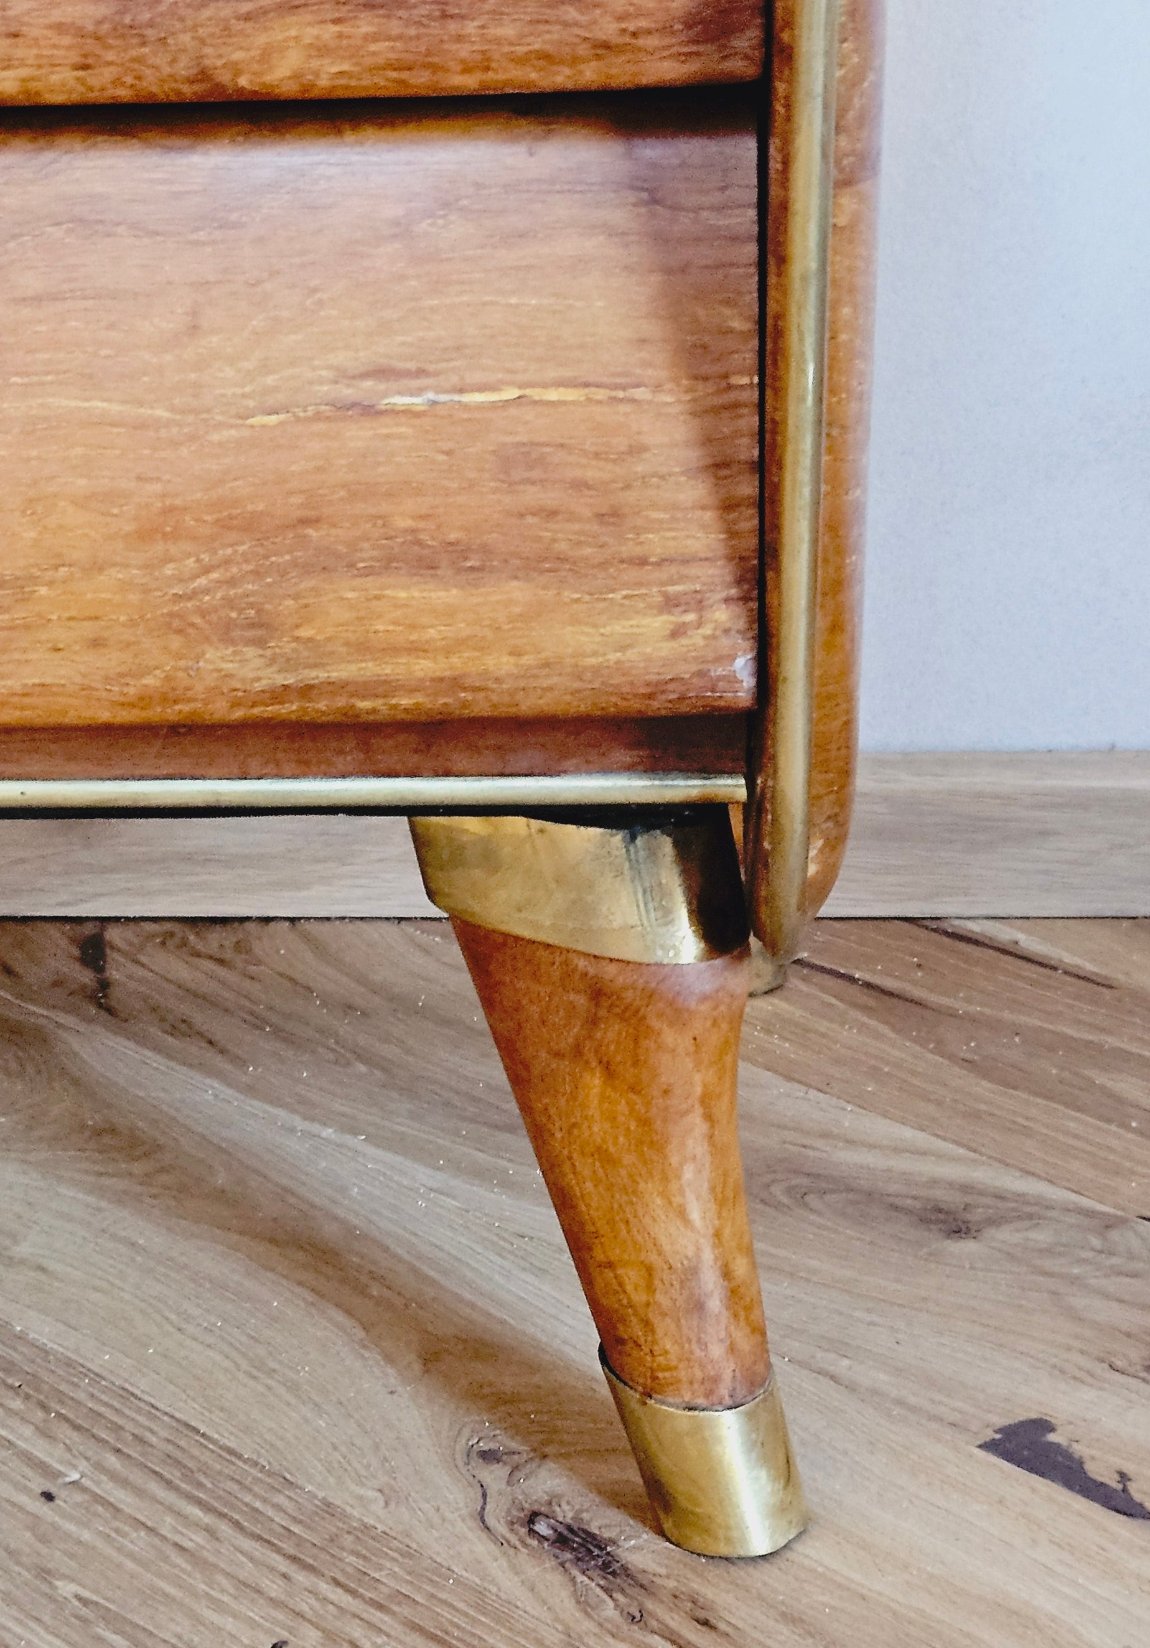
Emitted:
<point x="289" y="1330"/>
<point x="108" y="51"/>
<point x="625" y="1075"/>
<point x="384" y="414"/>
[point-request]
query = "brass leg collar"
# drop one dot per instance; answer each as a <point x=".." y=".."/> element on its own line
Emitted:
<point x="647" y="886"/>
<point x="721" y="1480"/>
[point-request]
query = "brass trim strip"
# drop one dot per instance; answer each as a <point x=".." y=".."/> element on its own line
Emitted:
<point x="779" y="837"/>
<point x="401" y="795"/>
<point x="722" y="1481"/>
<point x="650" y="886"/>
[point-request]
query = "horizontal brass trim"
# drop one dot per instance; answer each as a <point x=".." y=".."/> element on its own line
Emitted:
<point x="112" y="795"/>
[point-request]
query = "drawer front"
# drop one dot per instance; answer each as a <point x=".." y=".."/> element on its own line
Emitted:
<point x="111" y="51"/>
<point x="372" y="419"/>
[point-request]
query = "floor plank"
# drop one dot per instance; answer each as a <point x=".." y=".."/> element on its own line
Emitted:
<point x="1028" y="1041"/>
<point x="288" y="1330"/>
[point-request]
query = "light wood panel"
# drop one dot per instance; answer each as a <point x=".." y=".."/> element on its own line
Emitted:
<point x="379" y="416"/>
<point x="1020" y="834"/>
<point x="1028" y="1040"/>
<point x="947" y="835"/>
<point x="108" y="51"/>
<point x="290" y="1333"/>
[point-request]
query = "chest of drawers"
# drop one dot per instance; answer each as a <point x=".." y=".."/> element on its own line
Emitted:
<point x="464" y="415"/>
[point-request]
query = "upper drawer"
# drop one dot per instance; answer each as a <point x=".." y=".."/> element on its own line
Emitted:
<point x="381" y="416"/>
<point x="142" y="51"/>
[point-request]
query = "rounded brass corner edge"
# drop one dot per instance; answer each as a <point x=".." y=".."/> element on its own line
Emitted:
<point x="779" y="783"/>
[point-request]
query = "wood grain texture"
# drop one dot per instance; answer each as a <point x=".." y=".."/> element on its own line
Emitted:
<point x="282" y="1285"/>
<point x="110" y="51"/>
<point x="625" y="1075"/>
<point x="934" y="835"/>
<point x="1026" y="833"/>
<point x="286" y="749"/>
<point x="847" y="406"/>
<point x="1031" y="1039"/>
<point x="379" y="416"/>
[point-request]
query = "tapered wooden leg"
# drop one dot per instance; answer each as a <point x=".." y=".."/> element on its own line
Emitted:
<point x="625" y="1074"/>
<point x="625" y="1077"/>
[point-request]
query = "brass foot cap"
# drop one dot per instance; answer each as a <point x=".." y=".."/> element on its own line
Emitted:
<point x="721" y="1480"/>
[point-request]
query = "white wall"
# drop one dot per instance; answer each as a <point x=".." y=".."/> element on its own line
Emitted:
<point x="1008" y="575"/>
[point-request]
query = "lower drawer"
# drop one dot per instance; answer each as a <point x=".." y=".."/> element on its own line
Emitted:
<point x="379" y="414"/>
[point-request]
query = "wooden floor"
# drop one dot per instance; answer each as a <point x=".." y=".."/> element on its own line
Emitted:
<point x="291" y="1351"/>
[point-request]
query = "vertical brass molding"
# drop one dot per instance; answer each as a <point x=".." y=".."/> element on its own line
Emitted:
<point x="795" y="377"/>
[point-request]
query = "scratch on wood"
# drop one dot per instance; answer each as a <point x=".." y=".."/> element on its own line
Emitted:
<point x="547" y="394"/>
<point x="557" y="394"/>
